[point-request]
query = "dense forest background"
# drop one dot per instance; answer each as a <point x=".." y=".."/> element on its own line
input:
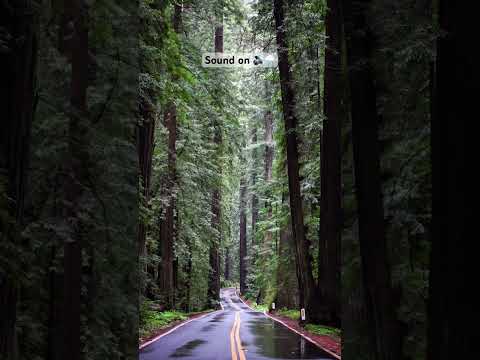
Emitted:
<point x="135" y="182"/>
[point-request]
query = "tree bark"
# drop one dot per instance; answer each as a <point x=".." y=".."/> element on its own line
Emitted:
<point x="254" y="199"/>
<point x="17" y="103"/>
<point x="214" y="274"/>
<point x="145" y="147"/>
<point x="307" y="286"/>
<point x="167" y="220"/>
<point x="243" y="236"/>
<point x="453" y="305"/>
<point x="287" y="282"/>
<point x="268" y="164"/>
<point x="269" y="149"/>
<point x="331" y="198"/>
<point x="227" y="264"/>
<point x="76" y="169"/>
<point x="385" y="329"/>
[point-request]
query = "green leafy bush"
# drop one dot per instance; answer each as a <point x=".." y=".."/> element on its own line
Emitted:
<point x="152" y="320"/>
<point x="323" y="330"/>
<point x="261" y="307"/>
<point x="292" y="314"/>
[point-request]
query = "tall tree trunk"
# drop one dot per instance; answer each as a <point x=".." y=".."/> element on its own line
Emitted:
<point x="166" y="274"/>
<point x="243" y="235"/>
<point x="167" y="221"/>
<point x="287" y="281"/>
<point x="227" y="264"/>
<point x="76" y="167"/>
<point x="268" y="164"/>
<point x="331" y="198"/>
<point x="306" y="282"/>
<point x="269" y="149"/>
<point x="214" y="274"/>
<point x="145" y="147"/>
<point x="189" y="272"/>
<point x="214" y="259"/>
<point x="17" y="102"/>
<point x="254" y="199"/>
<point x="453" y="305"/>
<point x="385" y="329"/>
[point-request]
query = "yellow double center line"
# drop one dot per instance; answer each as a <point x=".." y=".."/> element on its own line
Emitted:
<point x="235" y="339"/>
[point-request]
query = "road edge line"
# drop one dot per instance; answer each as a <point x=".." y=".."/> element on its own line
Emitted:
<point x="292" y="329"/>
<point x="144" y="345"/>
<point x="236" y="292"/>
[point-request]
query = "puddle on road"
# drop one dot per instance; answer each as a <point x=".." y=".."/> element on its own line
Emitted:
<point x="218" y="318"/>
<point x="187" y="349"/>
<point x="274" y="341"/>
<point x="208" y="328"/>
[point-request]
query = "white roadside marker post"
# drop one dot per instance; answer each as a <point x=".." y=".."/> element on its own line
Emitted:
<point x="302" y="312"/>
<point x="273" y="306"/>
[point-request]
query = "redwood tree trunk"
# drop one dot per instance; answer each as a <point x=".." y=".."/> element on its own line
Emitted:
<point x="243" y="236"/>
<point x="76" y="168"/>
<point x="145" y="146"/>
<point x="385" y="330"/>
<point x="268" y="163"/>
<point x="307" y="286"/>
<point x="214" y="274"/>
<point x="227" y="264"/>
<point x="167" y="222"/>
<point x="214" y="259"/>
<point x="453" y="305"/>
<point x="254" y="199"/>
<point x="287" y="281"/>
<point x="17" y="102"/>
<point x="331" y="198"/>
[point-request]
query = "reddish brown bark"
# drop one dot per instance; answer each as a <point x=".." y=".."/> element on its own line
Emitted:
<point x="331" y="198"/>
<point x="76" y="169"/>
<point x="167" y="223"/>
<point x="268" y="163"/>
<point x="213" y="292"/>
<point x="167" y="271"/>
<point x="243" y="235"/>
<point x="227" y="264"/>
<point x="453" y="305"/>
<point x="306" y="282"/>
<point x="145" y="147"/>
<point x="385" y="329"/>
<point x="17" y="102"/>
<point x="269" y="150"/>
<point x="254" y="198"/>
<point x="287" y="294"/>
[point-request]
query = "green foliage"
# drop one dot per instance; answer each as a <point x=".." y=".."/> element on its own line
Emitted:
<point x="204" y="99"/>
<point x="258" y="307"/>
<point x="106" y="210"/>
<point x="323" y="330"/>
<point x="292" y="314"/>
<point x="153" y="320"/>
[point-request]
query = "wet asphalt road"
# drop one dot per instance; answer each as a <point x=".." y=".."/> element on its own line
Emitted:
<point x="218" y="335"/>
